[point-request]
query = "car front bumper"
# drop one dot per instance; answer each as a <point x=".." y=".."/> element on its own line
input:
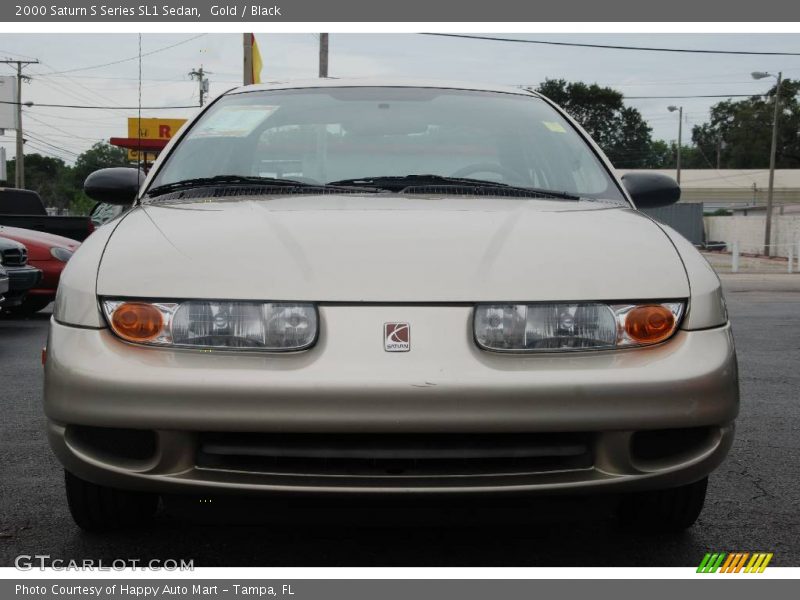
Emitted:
<point x="614" y="420"/>
<point x="51" y="272"/>
<point x="20" y="281"/>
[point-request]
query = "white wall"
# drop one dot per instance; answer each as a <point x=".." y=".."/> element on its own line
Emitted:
<point x="749" y="232"/>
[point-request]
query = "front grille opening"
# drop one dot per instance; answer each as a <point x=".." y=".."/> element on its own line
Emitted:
<point x="112" y="442"/>
<point x="669" y="444"/>
<point x="394" y="455"/>
<point x="15" y="257"/>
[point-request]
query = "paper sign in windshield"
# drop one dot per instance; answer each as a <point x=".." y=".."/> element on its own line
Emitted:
<point x="233" y="121"/>
<point x="554" y="127"/>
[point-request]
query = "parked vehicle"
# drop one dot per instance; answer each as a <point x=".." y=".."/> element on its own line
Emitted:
<point x="397" y="288"/>
<point x="103" y="212"/>
<point x="24" y="209"/>
<point x="4" y="284"/>
<point x="47" y="252"/>
<point x="21" y="276"/>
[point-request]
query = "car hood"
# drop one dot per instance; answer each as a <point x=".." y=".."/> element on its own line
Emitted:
<point x="388" y="248"/>
<point x="38" y="242"/>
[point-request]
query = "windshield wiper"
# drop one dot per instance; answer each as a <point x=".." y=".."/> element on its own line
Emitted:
<point x="196" y="182"/>
<point x="399" y="183"/>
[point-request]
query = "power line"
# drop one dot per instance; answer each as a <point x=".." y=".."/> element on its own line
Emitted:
<point x="60" y="89"/>
<point x="35" y="146"/>
<point x="162" y="79"/>
<point x="694" y="96"/>
<point x="122" y="60"/>
<point x="610" y="46"/>
<point x="74" y="81"/>
<point x="64" y="131"/>
<point x="31" y="104"/>
<point x="103" y="120"/>
<point x="86" y="106"/>
<point x="38" y="140"/>
<point x="15" y="54"/>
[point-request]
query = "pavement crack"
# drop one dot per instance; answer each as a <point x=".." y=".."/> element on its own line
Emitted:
<point x="755" y="480"/>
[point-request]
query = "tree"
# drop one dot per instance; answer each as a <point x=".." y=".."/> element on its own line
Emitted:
<point x="61" y="185"/>
<point x="50" y="177"/>
<point x="619" y="130"/>
<point x="100" y="156"/>
<point x="665" y="156"/>
<point x="742" y="130"/>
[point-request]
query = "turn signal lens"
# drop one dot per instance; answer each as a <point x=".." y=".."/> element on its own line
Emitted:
<point x="137" y="322"/>
<point x="649" y="324"/>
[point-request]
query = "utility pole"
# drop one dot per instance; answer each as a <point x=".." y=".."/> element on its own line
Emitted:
<point x="19" y="170"/>
<point x="680" y="135"/>
<point x="719" y="152"/>
<point x="247" y="66"/>
<point x="323" y="55"/>
<point x="202" y="81"/>
<point x="772" y="152"/>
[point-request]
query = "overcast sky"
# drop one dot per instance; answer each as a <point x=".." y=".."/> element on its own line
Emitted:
<point x="66" y="132"/>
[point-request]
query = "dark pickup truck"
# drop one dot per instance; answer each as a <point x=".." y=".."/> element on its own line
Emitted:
<point x="25" y="209"/>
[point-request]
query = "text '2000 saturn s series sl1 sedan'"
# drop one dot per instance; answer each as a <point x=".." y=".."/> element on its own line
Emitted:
<point x="387" y="288"/>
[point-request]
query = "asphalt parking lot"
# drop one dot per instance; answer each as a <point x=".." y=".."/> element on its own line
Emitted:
<point x="752" y="503"/>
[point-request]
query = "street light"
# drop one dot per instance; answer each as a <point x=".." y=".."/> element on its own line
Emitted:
<point x="773" y="149"/>
<point x="680" y="132"/>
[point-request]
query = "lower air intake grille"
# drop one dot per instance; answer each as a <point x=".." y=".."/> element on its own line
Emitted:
<point x="387" y="455"/>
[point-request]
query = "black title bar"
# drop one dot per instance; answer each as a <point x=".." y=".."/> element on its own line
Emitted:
<point x="406" y="10"/>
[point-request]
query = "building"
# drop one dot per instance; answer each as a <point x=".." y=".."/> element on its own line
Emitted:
<point x="736" y="189"/>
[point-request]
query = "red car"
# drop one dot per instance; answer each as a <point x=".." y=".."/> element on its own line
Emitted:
<point x="47" y="252"/>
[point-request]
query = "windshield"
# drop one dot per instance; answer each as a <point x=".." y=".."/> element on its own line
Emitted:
<point x="324" y="135"/>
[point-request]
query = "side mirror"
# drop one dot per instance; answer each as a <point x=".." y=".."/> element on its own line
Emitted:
<point x="115" y="185"/>
<point x="651" y="190"/>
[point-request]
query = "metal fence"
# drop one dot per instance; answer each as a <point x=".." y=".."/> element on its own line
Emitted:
<point x="738" y="258"/>
<point x="686" y="219"/>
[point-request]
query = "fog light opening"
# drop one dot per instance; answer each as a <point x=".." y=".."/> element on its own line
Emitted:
<point x="660" y="448"/>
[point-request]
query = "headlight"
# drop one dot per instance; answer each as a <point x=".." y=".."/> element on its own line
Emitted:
<point x="266" y="326"/>
<point x="549" y="327"/>
<point x="59" y="253"/>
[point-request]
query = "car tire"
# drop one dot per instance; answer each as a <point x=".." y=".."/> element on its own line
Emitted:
<point x="673" y="509"/>
<point x="100" y="508"/>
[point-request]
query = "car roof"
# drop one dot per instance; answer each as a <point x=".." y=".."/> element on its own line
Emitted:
<point x="382" y="82"/>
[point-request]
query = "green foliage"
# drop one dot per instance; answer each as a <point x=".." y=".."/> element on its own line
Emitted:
<point x="99" y="156"/>
<point x="743" y="131"/>
<point x="619" y="130"/>
<point x="61" y="185"/>
<point x="50" y="177"/>
<point x="81" y="204"/>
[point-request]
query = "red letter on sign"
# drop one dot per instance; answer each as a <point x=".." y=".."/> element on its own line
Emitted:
<point x="163" y="131"/>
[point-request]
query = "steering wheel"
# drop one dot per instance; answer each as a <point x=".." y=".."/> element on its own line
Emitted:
<point x="505" y="173"/>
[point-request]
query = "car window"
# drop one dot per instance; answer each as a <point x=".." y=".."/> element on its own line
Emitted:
<point x="330" y="134"/>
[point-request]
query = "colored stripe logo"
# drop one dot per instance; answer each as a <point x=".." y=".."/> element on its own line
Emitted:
<point x="734" y="562"/>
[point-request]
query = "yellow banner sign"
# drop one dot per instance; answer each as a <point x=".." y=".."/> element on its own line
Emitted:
<point x="151" y="129"/>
